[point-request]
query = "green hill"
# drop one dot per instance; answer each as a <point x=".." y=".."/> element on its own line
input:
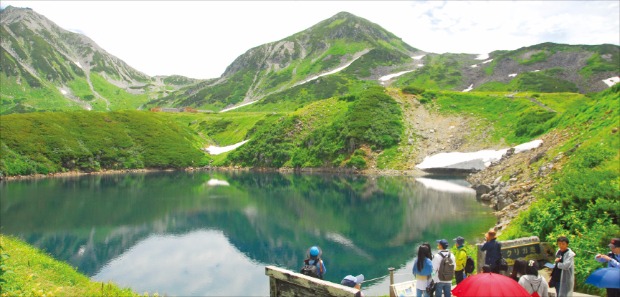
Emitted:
<point x="92" y="141"/>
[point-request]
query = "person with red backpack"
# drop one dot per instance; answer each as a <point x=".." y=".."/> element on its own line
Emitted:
<point x="533" y="283"/>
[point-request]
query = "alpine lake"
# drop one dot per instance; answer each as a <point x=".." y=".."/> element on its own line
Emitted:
<point x="211" y="233"/>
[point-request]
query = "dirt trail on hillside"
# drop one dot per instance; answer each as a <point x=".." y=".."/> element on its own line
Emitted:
<point x="428" y="132"/>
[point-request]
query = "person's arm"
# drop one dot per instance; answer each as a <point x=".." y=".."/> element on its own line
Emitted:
<point x="436" y="263"/>
<point x="613" y="262"/>
<point x="414" y="265"/>
<point x="601" y="258"/>
<point x="461" y="259"/>
<point x="323" y="269"/>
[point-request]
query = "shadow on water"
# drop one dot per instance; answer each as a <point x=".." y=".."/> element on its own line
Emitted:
<point x="212" y="233"/>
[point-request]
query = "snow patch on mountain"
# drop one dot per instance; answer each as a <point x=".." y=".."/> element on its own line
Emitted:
<point x="418" y="57"/>
<point x="393" y="75"/>
<point x="473" y="160"/>
<point x="216" y="150"/>
<point x="235" y="107"/>
<point x="612" y="81"/>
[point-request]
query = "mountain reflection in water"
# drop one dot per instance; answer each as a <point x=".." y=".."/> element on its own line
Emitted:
<point x="212" y="233"/>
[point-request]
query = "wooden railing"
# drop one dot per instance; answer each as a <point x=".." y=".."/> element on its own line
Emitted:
<point x="287" y="283"/>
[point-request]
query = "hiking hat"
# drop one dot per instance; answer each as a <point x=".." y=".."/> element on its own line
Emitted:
<point x="351" y="281"/>
<point x="314" y="251"/>
<point x="614" y="243"/>
<point x="460" y="240"/>
<point x="443" y="242"/>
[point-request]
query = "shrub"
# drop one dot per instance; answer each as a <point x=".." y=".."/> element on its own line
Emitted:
<point x="413" y="90"/>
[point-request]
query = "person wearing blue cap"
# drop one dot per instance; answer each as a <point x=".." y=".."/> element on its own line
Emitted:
<point x="443" y="269"/>
<point x="354" y="282"/>
<point x="313" y="264"/>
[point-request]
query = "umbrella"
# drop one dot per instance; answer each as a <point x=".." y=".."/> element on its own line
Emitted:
<point x="489" y="284"/>
<point x="605" y="278"/>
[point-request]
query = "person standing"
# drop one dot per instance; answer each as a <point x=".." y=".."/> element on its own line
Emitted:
<point x="563" y="274"/>
<point x="461" y="259"/>
<point x="613" y="261"/>
<point x="493" y="251"/>
<point x="422" y="270"/>
<point x="443" y="269"/>
<point x="532" y="282"/>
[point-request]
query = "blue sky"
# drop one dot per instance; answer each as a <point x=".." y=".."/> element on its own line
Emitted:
<point x="200" y="39"/>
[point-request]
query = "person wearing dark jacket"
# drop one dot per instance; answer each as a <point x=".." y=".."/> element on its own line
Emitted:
<point x="493" y="251"/>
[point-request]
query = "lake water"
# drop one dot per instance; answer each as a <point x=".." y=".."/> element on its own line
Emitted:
<point x="213" y="233"/>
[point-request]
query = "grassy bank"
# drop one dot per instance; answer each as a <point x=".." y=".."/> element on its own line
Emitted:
<point x="51" y="142"/>
<point x="27" y="271"/>
<point x="583" y="194"/>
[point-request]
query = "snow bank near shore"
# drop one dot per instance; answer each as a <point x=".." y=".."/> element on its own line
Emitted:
<point x="216" y="150"/>
<point x="474" y="160"/>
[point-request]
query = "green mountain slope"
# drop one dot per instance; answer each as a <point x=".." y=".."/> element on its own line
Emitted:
<point x="44" y="67"/>
<point x="545" y="67"/>
<point x="269" y="69"/>
<point x="92" y="141"/>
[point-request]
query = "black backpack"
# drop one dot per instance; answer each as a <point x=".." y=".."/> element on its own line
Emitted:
<point x="470" y="265"/>
<point x="311" y="270"/>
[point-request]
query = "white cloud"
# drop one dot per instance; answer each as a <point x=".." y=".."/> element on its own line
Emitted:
<point x="201" y="38"/>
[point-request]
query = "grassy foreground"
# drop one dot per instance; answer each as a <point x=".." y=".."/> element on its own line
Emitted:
<point x="27" y="271"/>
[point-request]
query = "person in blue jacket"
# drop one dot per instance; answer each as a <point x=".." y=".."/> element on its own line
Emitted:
<point x="493" y="251"/>
<point x="422" y="269"/>
<point x="613" y="261"/>
<point x="314" y="258"/>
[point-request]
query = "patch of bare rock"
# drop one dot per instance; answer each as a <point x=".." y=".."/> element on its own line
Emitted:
<point x="511" y="184"/>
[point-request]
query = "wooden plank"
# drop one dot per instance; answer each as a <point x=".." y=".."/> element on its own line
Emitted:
<point x="284" y="283"/>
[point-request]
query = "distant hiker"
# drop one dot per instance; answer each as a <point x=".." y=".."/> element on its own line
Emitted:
<point x="354" y="282"/>
<point x="461" y="259"/>
<point x="613" y="261"/>
<point x="518" y="269"/>
<point x="532" y="282"/>
<point x="422" y="270"/>
<point x="313" y="264"/>
<point x="563" y="274"/>
<point x="443" y="269"/>
<point x="493" y="251"/>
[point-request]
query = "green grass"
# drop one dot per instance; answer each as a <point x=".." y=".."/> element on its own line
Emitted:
<point x="92" y="141"/>
<point x="119" y="98"/>
<point x="581" y="198"/>
<point x="29" y="272"/>
<point x="505" y="115"/>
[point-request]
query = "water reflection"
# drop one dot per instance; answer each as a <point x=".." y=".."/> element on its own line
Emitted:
<point x="203" y="230"/>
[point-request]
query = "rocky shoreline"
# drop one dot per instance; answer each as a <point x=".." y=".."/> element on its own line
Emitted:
<point x="510" y="185"/>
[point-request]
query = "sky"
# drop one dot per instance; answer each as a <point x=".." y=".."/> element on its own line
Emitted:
<point x="199" y="39"/>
